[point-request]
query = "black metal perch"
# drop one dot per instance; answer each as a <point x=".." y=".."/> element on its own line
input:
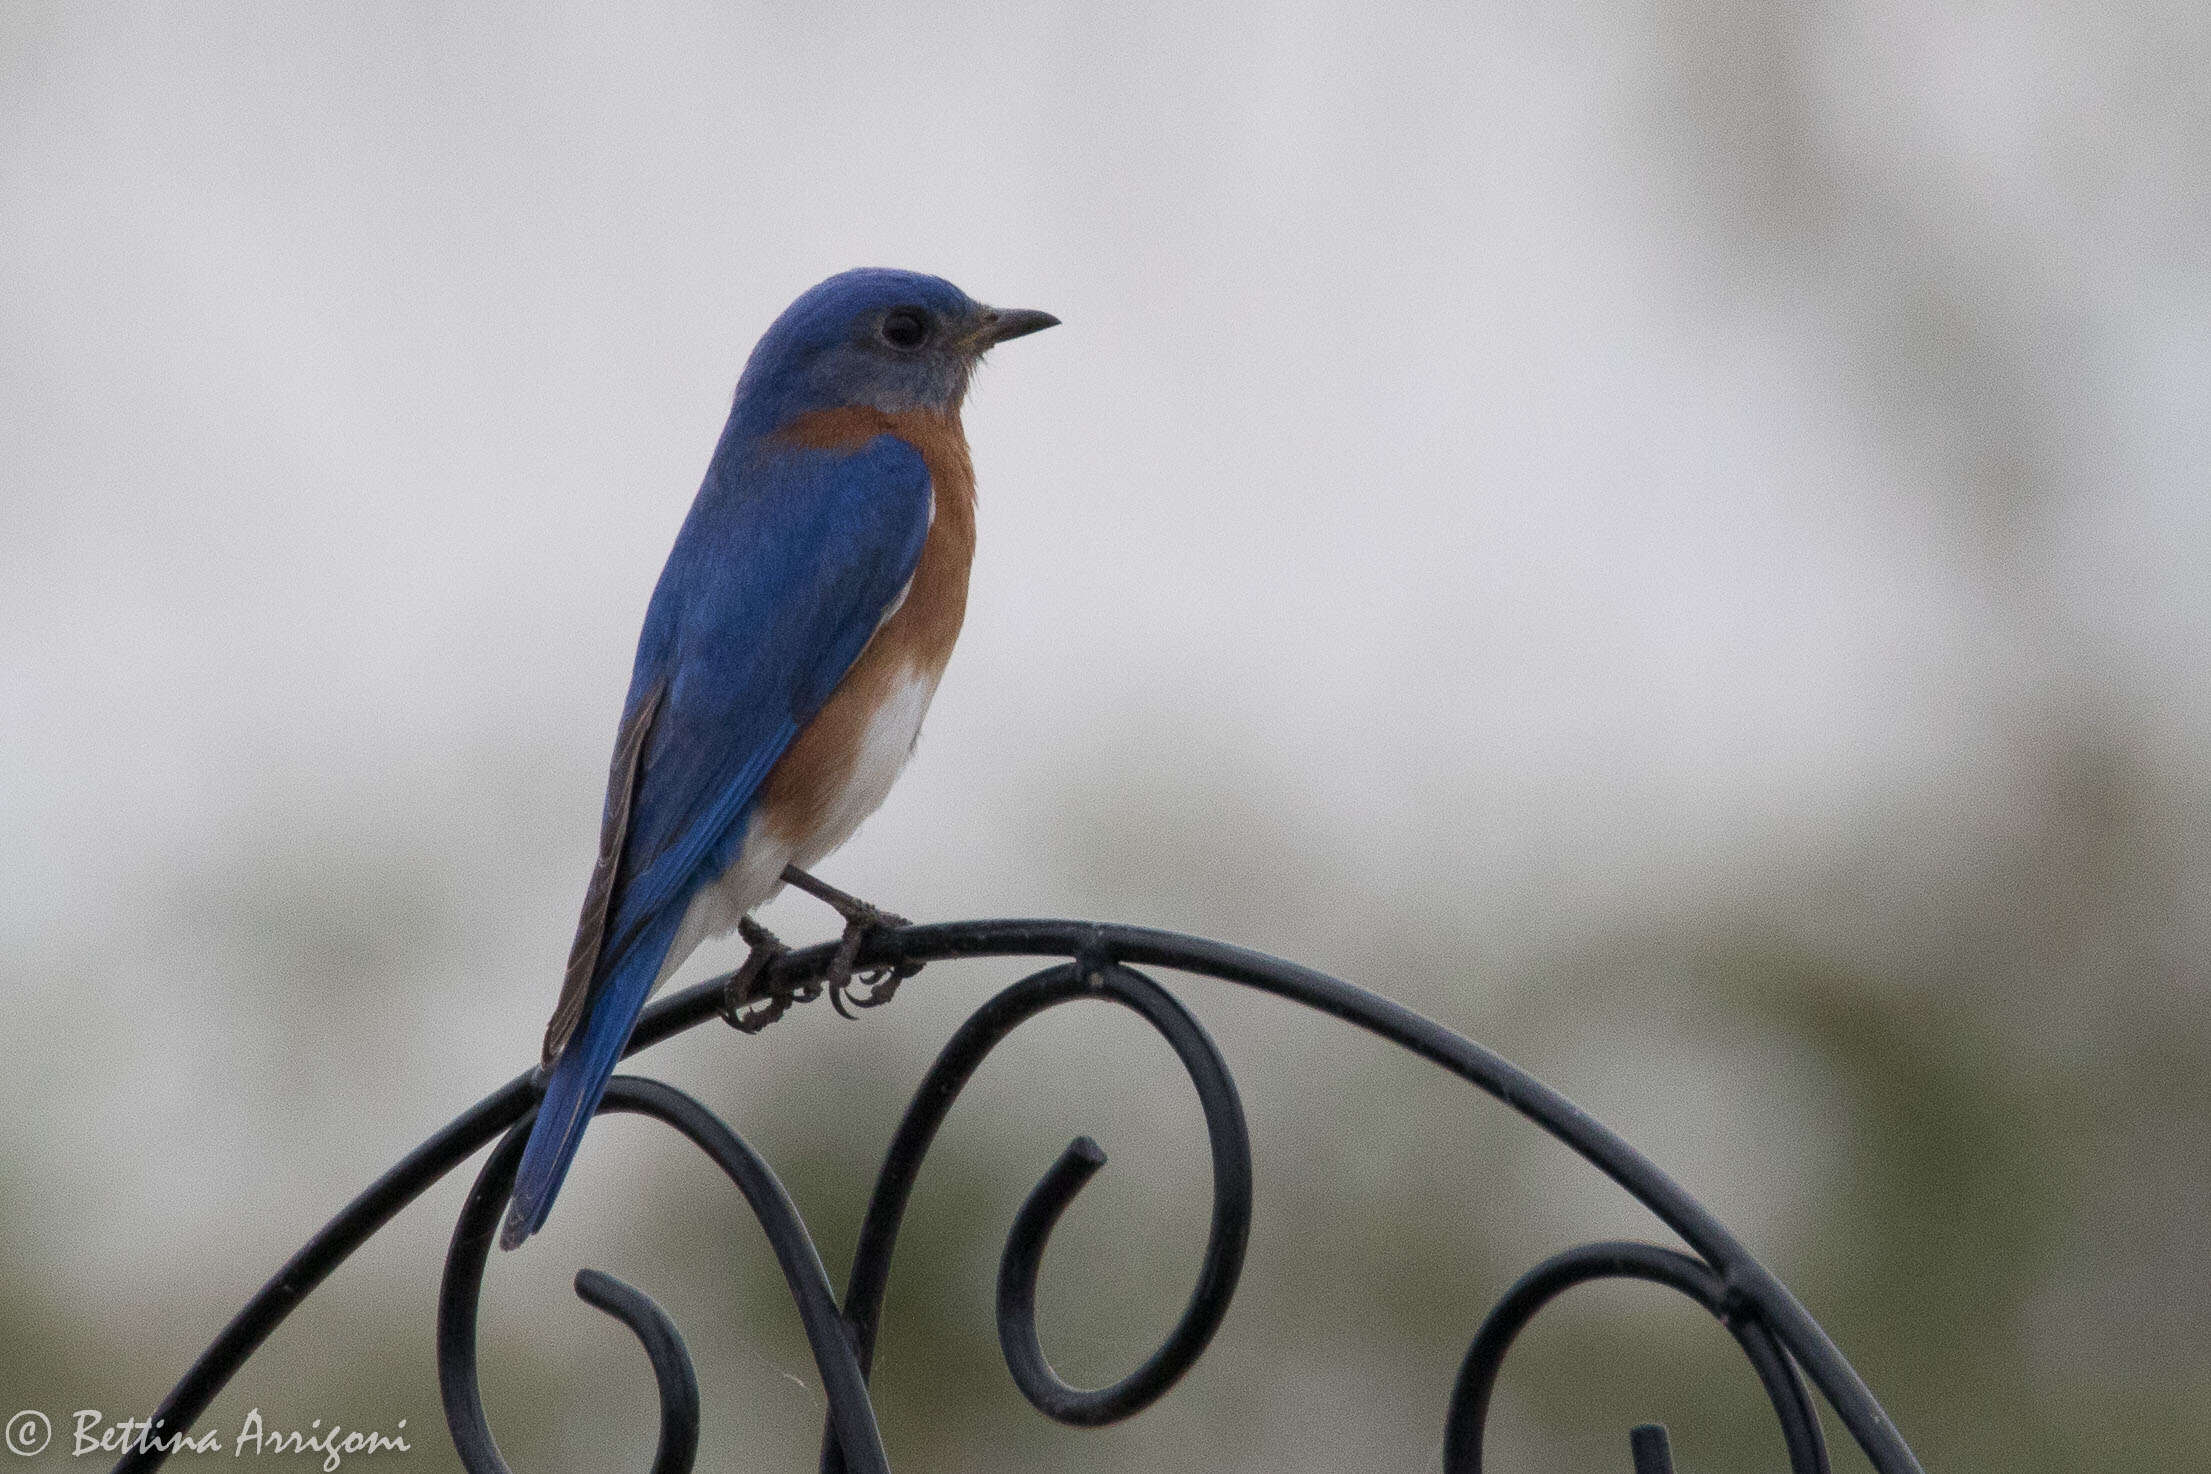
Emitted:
<point x="1785" y="1346"/>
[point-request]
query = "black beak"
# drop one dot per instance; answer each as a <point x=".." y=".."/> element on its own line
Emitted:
<point x="1002" y="323"/>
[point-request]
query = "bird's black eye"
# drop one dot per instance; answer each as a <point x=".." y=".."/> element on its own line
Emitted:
<point x="905" y="327"/>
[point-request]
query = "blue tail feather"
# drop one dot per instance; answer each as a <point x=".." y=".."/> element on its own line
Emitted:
<point x="578" y="1080"/>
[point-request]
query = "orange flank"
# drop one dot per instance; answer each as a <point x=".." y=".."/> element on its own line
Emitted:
<point x="916" y="640"/>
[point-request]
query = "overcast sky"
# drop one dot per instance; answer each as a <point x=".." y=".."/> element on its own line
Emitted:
<point x="1606" y="464"/>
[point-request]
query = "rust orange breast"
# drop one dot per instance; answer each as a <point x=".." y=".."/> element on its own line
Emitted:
<point x="802" y="791"/>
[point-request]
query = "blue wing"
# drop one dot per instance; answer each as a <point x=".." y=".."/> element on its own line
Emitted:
<point x="784" y="568"/>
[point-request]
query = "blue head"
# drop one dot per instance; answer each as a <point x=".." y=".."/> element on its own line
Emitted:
<point x="888" y="340"/>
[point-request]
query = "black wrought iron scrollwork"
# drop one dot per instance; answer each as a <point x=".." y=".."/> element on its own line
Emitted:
<point x="1090" y="977"/>
<point x="678" y="1385"/>
<point x="1462" y="1437"/>
<point x="1785" y="1346"/>
<point x="850" y="1413"/>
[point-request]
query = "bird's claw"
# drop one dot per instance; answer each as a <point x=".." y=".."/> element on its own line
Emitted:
<point x="874" y="987"/>
<point x="744" y="1007"/>
<point x="749" y="1008"/>
<point x="877" y="984"/>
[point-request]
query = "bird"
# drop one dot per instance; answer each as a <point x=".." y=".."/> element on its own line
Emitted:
<point x="789" y="652"/>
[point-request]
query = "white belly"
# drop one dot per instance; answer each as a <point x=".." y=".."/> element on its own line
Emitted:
<point x="757" y="873"/>
<point x="884" y="749"/>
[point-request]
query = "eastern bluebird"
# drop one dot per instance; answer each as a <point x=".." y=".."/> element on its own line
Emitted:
<point x="794" y="640"/>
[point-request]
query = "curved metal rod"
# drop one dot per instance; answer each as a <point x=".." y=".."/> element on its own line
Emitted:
<point x="849" y="1410"/>
<point x="1649" y="1449"/>
<point x="1032" y="1226"/>
<point x="458" y="1297"/>
<point x="1790" y="1323"/>
<point x="1805" y="1341"/>
<point x="1018" y="1268"/>
<point x="1621" y="1259"/>
<point x="962" y="1055"/>
<point x="355" y="1223"/>
<point x="679" y="1385"/>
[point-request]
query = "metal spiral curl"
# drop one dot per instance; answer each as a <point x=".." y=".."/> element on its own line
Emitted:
<point x="851" y="1415"/>
<point x="1625" y="1259"/>
<point x="672" y="1375"/>
<point x="1784" y="1343"/>
<point x="1090" y="977"/>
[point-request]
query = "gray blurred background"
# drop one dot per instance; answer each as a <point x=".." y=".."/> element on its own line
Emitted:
<point x="1670" y="537"/>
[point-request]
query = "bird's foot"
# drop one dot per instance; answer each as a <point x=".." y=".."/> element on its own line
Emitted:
<point x="745" y="1006"/>
<point x="870" y="989"/>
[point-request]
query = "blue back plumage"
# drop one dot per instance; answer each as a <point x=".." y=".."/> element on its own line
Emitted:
<point x="789" y="561"/>
<point x="781" y="573"/>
